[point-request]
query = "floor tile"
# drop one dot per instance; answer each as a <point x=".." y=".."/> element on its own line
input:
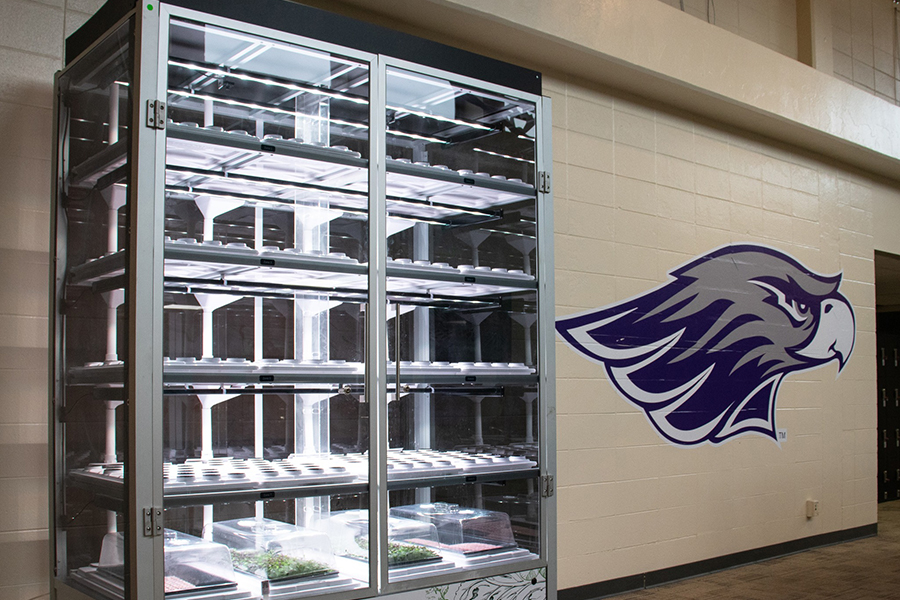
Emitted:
<point x="859" y="570"/>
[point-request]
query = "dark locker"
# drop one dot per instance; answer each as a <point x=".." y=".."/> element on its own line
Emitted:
<point x="888" y="371"/>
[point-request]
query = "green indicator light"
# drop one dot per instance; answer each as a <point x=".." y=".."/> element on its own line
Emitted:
<point x="149" y="7"/>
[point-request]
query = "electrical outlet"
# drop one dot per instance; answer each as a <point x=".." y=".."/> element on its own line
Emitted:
<point x="812" y="509"/>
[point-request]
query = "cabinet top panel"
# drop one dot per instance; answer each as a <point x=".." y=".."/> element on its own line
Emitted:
<point x="313" y="23"/>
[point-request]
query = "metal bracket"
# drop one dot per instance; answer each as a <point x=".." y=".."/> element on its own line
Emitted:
<point x="156" y="114"/>
<point x="153" y="522"/>
<point x="544" y="182"/>
<point x="547" y="486"/>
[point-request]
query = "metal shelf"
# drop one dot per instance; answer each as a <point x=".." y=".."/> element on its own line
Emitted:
<point x="517" y="190"/>
<point x="104" y="374"/>
<point x="247" y="268"/>
<point x="266" y="147"/>
<point x="91" y="171"/>
<point x="113" y="489"/>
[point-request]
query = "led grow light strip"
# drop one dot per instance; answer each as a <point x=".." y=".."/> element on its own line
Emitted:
<point x="340" y="73"/>
<point x="347" y="194"/>
<point x="264" y="81"/>
<point x="251" y="199"/>
<point x="233" y="177"/>
<point x="255" y="42"/>
<point x="253" y="180"/>
<point x="439" y="118"/>
<point x="524" y="160"/>
<point x="271" y="109"/>
<point x="415" y="136"/>
<point x="191" y="193"/>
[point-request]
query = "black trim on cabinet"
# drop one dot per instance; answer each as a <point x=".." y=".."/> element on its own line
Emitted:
<point x="612" y="587"/>
<point x="305" y="21"/>
<point x="102" y="20"/>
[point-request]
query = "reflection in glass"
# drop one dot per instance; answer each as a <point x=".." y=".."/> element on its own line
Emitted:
<point x="91" y="318"/>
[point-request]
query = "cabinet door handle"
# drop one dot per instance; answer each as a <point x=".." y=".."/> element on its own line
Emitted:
<point x="897" y="438"/>
<point x="882" y="355"/>
<point x="884" y="397"/>
<point x="884" y="436"/>
<point x="397" y="352"/>
<point x="886" y="480"/>
<point x="364" y="394"/>
<point x="895" y="357"/>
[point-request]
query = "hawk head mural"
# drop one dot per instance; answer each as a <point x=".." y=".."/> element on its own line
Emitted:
<point x="703" y="355"/>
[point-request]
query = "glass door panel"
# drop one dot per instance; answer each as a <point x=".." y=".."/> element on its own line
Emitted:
<point x="266" y="260"/>
<point x="91" y="316"/>
<point x="464" y="527"/>
<point x="261" y="549"/>
<point x="462" y="395"/>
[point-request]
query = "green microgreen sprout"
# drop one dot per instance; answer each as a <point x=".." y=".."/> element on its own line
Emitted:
<point x="275" y="565"/>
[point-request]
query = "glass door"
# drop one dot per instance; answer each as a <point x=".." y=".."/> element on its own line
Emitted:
<point x="266" y="424"/>
<point x="91" y="358"/>
<point x="463" y="398"/>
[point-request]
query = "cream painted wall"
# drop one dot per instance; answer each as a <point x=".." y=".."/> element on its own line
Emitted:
<point x="772" y="23"/>
<point x="640" y="190"/>
<point x="866" y="45"/>
<point x="31" y="41"/>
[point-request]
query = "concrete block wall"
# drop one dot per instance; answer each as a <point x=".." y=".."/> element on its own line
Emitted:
<point x="865" y="37"/>
<point x="31" y="50"/>
<point x="866" y="50"/>
<point x="640" y="190"/>
<point x="771" y="23"/>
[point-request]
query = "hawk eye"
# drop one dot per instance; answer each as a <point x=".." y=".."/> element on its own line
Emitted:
<point x="798" y="311"/>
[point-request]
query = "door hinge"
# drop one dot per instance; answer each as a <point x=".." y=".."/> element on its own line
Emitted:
<point x="153" y="522"/>
<point x="156" y="114"/>
<point x="547" y="486"/>
<point x="544" y="182"/>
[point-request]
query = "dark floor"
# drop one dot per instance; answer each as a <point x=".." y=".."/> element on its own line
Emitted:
<point x="867" y="569"/>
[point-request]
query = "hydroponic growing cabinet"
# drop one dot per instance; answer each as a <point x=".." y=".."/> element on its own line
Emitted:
<point x="303" y="303"/>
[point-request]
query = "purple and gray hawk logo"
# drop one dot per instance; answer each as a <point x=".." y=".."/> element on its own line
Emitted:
<point x="703" y="355"/>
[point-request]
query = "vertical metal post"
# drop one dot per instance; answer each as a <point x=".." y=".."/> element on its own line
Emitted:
<point x="421" y="346"/>
<point x="57" y="255"/>
<point x="145" y="310"/>
<point x="546" y="337"/>
<point x="376" y="324"/>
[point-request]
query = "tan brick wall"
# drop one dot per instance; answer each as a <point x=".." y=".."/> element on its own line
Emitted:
<point x="640" y="190"/>
<point x="771" y="23"/>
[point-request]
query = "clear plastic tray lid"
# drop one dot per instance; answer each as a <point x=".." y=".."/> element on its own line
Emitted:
<point x="194" y="564"/>
<point x="275" y="550"/>
<point x="409" y="541"/>
<point x="460" y="529"/>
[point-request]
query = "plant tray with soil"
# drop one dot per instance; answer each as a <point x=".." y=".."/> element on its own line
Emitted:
<point x="466" y="548"/>
<point x="186" y="580"/>
<point x="276" y="566"/>
<point x="400" y="554"/>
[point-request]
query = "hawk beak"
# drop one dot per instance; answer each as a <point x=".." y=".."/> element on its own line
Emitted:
<point x="836" y="334"/>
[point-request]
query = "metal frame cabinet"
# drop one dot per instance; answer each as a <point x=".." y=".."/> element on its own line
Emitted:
<point x="303" y="302"/>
